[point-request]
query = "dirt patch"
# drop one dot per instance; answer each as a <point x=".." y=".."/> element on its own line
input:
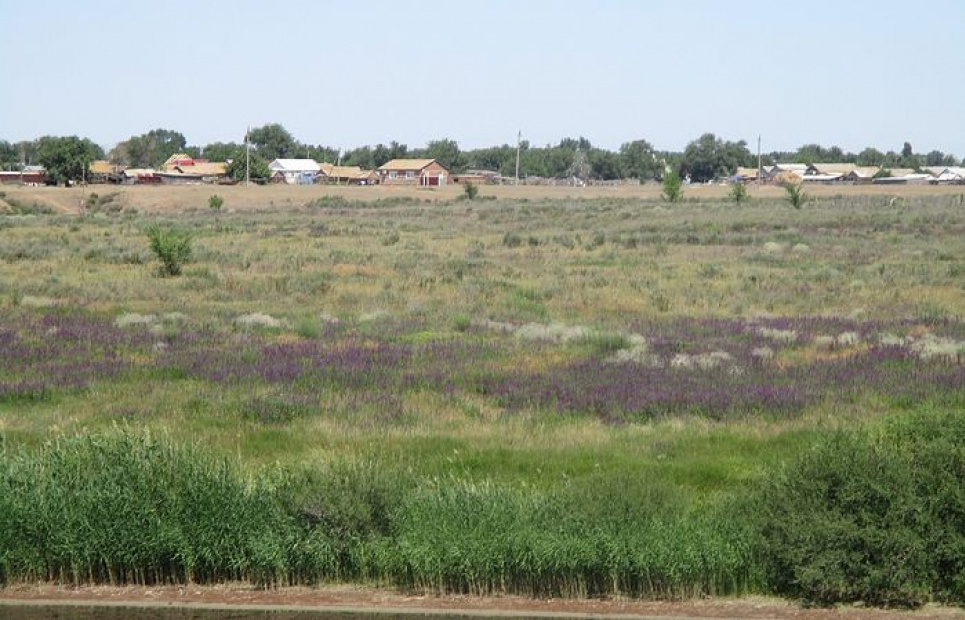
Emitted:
<point x="372" y="599"/>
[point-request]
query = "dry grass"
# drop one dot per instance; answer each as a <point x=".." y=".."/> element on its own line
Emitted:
<point x="168" y="199"/>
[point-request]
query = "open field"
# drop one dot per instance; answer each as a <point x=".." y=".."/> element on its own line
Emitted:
<point x="168" y="199"/>
<point x="592" y="396"/>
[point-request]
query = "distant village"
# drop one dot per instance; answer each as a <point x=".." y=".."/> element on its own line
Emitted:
<point x="181" y="169"/>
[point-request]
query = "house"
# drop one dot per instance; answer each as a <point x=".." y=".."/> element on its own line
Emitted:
<point x="862" y="175"/>
<point x="103" y="171"/>
<point x="419" y="172"/>
<point x="140" y="176"/>
<point x="910" y="177"/>
<point x="176" y="177"/>
<point x="746" y="175"/>
<point x="786" y="173"/>
<point x="841" y="170"/>
<point x="294" y="171"/>
<point x="346" y="175"/>
<point x="28" y="175"/>
<point x="478" y="177"/>
<point x="951" y="175"/>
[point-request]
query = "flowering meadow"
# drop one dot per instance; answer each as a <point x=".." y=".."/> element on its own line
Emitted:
<point x="550" y="397"/>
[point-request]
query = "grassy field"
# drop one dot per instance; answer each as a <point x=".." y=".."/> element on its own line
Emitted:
<point x="554" y="391"/>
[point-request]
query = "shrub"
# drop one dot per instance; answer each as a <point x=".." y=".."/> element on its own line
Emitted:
<point x="738" y="193"/>
<point x="796" y="195"/>
<point x="512" y="240"/>
<point x="672" y="187"/>
<point x="872" y="518"/>
<point x="215" y="202"/>
<point x="172" y="247"/>
<point x="470" y="191"/>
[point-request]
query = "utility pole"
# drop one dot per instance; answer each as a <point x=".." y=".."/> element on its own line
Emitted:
<point x="247" y="158"/>
<point x="760" y="168"/>
<point x="519" y="140"/>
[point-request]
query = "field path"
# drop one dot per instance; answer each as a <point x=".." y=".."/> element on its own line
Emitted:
<point x="343" y="599"/>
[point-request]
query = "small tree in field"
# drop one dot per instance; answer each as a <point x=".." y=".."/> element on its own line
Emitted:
<point x="215" y="202"/>
<point x="172" y="248"/>
<point x="673" y="188"/>
<point x="470" y="191"/>
<point x="796" y="195"/>
<point x="738" y="193"/>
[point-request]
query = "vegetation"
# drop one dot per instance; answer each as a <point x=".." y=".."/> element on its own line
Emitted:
<point x="673" y="189"/>
<point x="215" y="202"/>
<point x="738" y="193"/>
<point x="550" y="397"/>
<point x="172" y="247"/>
<point x="470" y="191"/>
<point x="67" y="159"/>
<point x="796" y="195"/>
<point x="251" y="166"/>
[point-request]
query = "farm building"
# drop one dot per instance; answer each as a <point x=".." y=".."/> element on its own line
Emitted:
<point x="840" y="170"/>
<point x="479" y="177"/>
<point x="421" y="172"/>
<point x="346" y="175"/>
<point x="746" y="175"/>
<point x="294" y="171"/>
<point x="952" y="175"/>
<point x="140" y="176"/>
<point x="862" y="175"/>
<point x="29" y="175"/>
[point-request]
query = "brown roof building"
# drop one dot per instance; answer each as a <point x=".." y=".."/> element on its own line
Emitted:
<point x="420" y="172"/>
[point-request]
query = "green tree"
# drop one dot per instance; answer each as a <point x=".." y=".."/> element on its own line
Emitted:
<point x="149" y="150"/>
<point x="258" y="166"/>
<point x="605" y="164"/>
<point x="447" y="153"/>
<point x="67" y="158"/>
<point x="871" y="157"/>
<point x="795" y="194"/>
<point x="9" y="156"/>
<point x="639" y="161"/>
<point x="708" y="157"/>
<point x="738" y="193"/>
<point x="221" y="151"/>
<point x="273" y="141"/>
<point x="172" y="247"/>
<point x="672" y="186"/>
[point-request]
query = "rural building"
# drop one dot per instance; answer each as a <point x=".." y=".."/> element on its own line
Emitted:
<point x="420" y="172"/>
<point x="840" y="170"/>
<point x="140" y="176"/>
<point x="346" y="175"/>
<point x="103" y="171"/>
<point x="479" y="177"/>
<point x="294" y="171"/>
<point x="746" y="175"/>
<point x="29" y="175"/>
<point x="951" y="175"/>
<point x="862" y="175"/>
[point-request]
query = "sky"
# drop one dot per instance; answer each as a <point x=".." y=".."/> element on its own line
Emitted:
<point x="851" y="73"/>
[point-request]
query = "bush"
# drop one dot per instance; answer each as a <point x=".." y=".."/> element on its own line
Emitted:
<point x="172" y="248"/>
<point x="796" y="195"/>
<point x="215" y="202"/>
<point x="470" y="191"/>
<point x="672" y="187"/>
<point x="878" y="519"/>
<point x="738" y="193"/>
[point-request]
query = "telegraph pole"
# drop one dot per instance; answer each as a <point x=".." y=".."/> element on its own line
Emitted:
<point x="760" y="168"/>
<point x="247" y="158"/>
<point x="519" y="140"/>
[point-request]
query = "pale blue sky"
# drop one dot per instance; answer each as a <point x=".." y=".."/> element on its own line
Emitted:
<point x="851" y="73"/>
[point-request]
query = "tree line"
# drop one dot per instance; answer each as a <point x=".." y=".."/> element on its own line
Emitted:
<point x="706" y="158"/>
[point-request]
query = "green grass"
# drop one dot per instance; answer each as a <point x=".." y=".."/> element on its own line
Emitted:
<point x="454" y="493"/>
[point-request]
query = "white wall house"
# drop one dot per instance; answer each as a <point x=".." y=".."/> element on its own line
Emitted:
<point x="294" y="171"/>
